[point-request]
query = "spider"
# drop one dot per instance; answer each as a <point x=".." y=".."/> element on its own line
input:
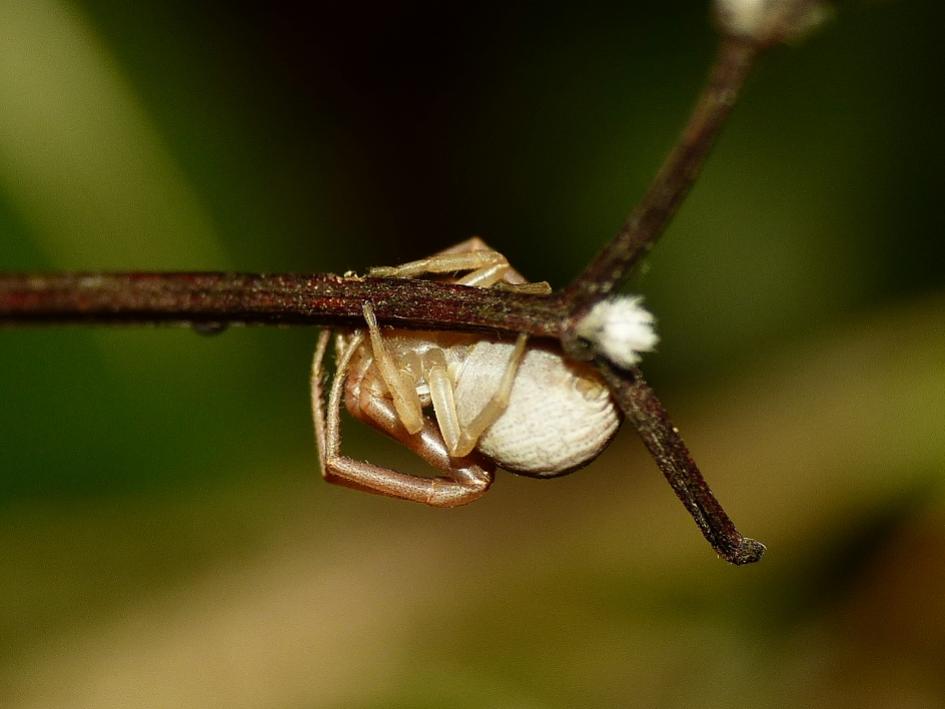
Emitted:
<point x="519" y="406"/>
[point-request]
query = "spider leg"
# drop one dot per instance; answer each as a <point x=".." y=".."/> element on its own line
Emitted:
<point x="442" y="397"/>
<point x="486" y="276"/>
<point x="402" y="389"/>
<point x="535" y="288"/>
<point x="318" y="399"/>
<point x="462" y="439"/>
<point x="496" y="405"/>
<point x="468" y="479"/>
<point x="485" y="265"/>
<point x="488" y="267"/>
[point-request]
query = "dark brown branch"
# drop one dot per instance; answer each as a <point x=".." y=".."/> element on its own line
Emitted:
<point x="650" y="218"/>
<point x="269" y="299"/>
<point x="647" y="414"/>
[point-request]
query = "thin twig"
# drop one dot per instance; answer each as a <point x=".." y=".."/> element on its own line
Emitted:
<point x="269" y="299"/>
<point x="648" y="415"/>
<point x="650" y="218"/>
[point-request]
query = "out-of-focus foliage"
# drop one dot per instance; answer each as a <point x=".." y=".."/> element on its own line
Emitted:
<point x="165" y="539"/>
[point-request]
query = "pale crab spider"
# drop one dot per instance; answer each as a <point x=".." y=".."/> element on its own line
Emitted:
<point x="519" y="406"/>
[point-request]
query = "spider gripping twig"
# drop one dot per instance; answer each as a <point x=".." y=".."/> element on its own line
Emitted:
<point x="525" y="408"/>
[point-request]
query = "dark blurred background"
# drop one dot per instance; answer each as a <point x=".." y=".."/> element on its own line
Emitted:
<point x="165" y="539"/>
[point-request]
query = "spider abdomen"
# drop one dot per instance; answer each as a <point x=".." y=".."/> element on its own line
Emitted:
<point x="560" y="415"/>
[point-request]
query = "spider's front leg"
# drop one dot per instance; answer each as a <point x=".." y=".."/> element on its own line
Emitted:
<point x="468" y="478"/>
<point x="462" y="436"/>
<point x="485" y="266"/>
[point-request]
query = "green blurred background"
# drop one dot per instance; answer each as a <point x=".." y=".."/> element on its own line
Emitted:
<point x="165" y="539"/>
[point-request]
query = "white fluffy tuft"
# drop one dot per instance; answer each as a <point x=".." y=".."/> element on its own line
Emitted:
<point x="620" y="329"/>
